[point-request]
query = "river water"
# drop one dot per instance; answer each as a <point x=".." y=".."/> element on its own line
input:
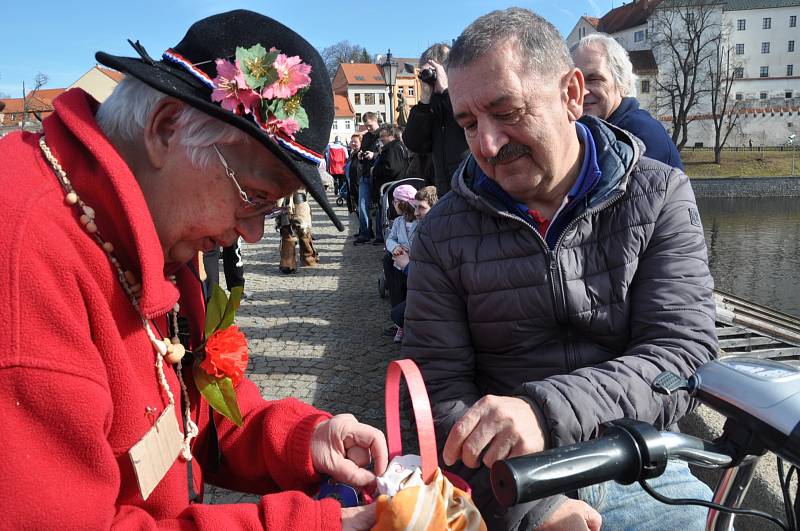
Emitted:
<point x="754" y="248"/>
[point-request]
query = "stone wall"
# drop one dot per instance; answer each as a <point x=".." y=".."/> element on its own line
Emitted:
<point x="744" y="187"/>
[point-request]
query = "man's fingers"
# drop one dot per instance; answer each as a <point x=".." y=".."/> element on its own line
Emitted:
<point x="360" y="456"/>
<point x="346" y="471"/>
<point x="480" y="439"/>
<point x="371" y="438"/>
<point x="500" y="448"/>
<point x="458" y="434"/>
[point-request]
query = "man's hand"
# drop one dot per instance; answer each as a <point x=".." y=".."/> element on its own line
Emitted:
<point x="342" y="446"/>
<point x="441" y="77"/>
<point x="505" y="424"/>
<point x="358" y="518"/>
<point x="398" y="250"/>
<point x="572" y="515"/>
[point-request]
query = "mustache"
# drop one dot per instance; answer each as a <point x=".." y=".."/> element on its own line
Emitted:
<point x="509" y="152"/>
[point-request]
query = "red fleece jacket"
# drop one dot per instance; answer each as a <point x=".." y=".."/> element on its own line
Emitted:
<point x="78" y="370"/>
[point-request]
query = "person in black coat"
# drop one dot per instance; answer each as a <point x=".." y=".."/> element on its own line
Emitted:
<point x="366" y="157"/>
<point x="390" y="165"/>
<point x="431" y="127"/>
<point x="610" y="86"/>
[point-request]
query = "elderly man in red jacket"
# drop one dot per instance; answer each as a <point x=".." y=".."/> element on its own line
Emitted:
<point x="105" y="425"/>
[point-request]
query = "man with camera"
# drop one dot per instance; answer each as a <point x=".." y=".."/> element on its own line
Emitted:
<point x="366" y="156"/>
<point x="431" y="127"/>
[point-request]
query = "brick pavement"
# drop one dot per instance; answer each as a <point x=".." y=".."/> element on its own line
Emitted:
<point x="316" y="335"/>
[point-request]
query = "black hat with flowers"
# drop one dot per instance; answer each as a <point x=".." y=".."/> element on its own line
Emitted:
<point x="256" y="74"/>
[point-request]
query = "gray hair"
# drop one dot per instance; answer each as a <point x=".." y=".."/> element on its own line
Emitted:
<point x="539" y="42"/>
<point x="124" y="114"/>
<point x="617" y="57"/>
<point x="438" y="52"/>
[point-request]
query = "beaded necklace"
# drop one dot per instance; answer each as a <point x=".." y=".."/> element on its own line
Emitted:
<point x="170" y="350"/>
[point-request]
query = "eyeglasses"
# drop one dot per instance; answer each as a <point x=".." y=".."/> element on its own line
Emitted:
<point x="253" y="207"/>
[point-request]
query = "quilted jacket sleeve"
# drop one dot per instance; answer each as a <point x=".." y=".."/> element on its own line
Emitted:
<point x="672" y="315"/>
<point x="437" y="335"/>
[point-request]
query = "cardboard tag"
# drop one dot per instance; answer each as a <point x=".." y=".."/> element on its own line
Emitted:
<point x="154" y="454"/>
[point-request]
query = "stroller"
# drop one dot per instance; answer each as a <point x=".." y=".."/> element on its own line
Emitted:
<point x="388" y="215"/>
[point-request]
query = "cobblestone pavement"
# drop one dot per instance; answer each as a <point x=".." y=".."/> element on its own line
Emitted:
<point x="317" y="335"/>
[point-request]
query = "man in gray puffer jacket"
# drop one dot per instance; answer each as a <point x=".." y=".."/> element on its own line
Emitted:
<point x="562" y="274"/>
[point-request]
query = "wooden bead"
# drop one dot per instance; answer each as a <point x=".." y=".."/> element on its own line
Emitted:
<point x="84" y="219"/>
<point x="161" y="346"/>
<point x="72" y="198"/>
<point x="175" y="341"/>
<point x="108" y="247"/>
<point x="129" y="277"/>
<point x="89" y="211"/>
<point x="91" y="228"/>
<point x="175" y="355"/>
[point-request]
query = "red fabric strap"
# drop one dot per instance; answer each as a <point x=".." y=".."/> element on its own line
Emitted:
<point x="422" y="414"/>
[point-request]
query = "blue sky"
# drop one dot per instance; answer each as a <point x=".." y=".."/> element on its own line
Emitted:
<point x="60" y="38"/>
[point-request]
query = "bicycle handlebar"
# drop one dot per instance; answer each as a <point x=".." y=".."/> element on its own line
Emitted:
<point x="627" y="451"/>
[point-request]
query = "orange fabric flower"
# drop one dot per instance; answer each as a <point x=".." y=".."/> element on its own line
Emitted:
<point x="226" y="354"/>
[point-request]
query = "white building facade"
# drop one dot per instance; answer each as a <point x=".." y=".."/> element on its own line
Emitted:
<point x="765" y="39"/>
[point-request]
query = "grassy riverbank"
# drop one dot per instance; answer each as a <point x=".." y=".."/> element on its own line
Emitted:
<point x="700" y="164"/>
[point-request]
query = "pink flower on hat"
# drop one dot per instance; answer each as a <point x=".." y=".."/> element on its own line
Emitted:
<point x="231" y="90"/>
<point x="287" y="126"/>
<point x="292" y="76"/>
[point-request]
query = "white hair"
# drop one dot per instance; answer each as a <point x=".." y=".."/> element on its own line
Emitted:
<point x="124" y="114"/>
<point x="618" y="60"/>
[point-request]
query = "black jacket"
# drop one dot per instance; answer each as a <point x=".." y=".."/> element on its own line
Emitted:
<point x="368" y="143"/>
<point x="432" y="129"/>
<point x="658" y="144"/>
<point x="390" y="165"/>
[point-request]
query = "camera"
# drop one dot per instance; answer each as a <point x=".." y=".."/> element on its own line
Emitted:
<point x="428" y="75"/>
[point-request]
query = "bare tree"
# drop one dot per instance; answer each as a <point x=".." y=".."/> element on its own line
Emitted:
<point x="39" y="80"/>
<point x="724" y="109"/>
<point x="343" y="52"/>
<point x="684" y="34"/>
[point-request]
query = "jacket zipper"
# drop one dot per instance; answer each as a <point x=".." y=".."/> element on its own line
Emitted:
<point x="556" y="281"/>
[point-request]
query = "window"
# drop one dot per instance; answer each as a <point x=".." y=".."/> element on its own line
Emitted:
<point x="645" y="86"/>
<point x="383" y="116"/>
<point x="347" y="124"/>
<point x="357" y="98"/>
<point x="369" y="99"/>
<point x="788" y="94"/>
<point x="741" y="24"/>
<point x="638" y="36"/>
<point x="689" y="19"/>
<point x="790" y="48"/>
<point x="767" y="23"/>
<point x="410" y="91"/>
<point x="382" y="98"/>
<point x="792" y="21"/>
<point x="763" y="95"/>
<point x="739" y="96"/>
<point x="335" y="124"/>
<point x="738" y="72"/>
<point x="764" y="47"/>
<point x="764" y="72"/>
<point x="400" y="90"/>
<point x="740" y="49"/>
<point x="358" y="117"/>
<point x="789" y="70"/>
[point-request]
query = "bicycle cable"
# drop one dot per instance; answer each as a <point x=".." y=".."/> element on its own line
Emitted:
<point x="710" y="505"/>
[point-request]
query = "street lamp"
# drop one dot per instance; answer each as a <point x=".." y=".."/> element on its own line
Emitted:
<point x="390" y="77"/>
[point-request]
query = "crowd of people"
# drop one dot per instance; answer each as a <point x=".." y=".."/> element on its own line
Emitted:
<point x="543" y="256"/>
